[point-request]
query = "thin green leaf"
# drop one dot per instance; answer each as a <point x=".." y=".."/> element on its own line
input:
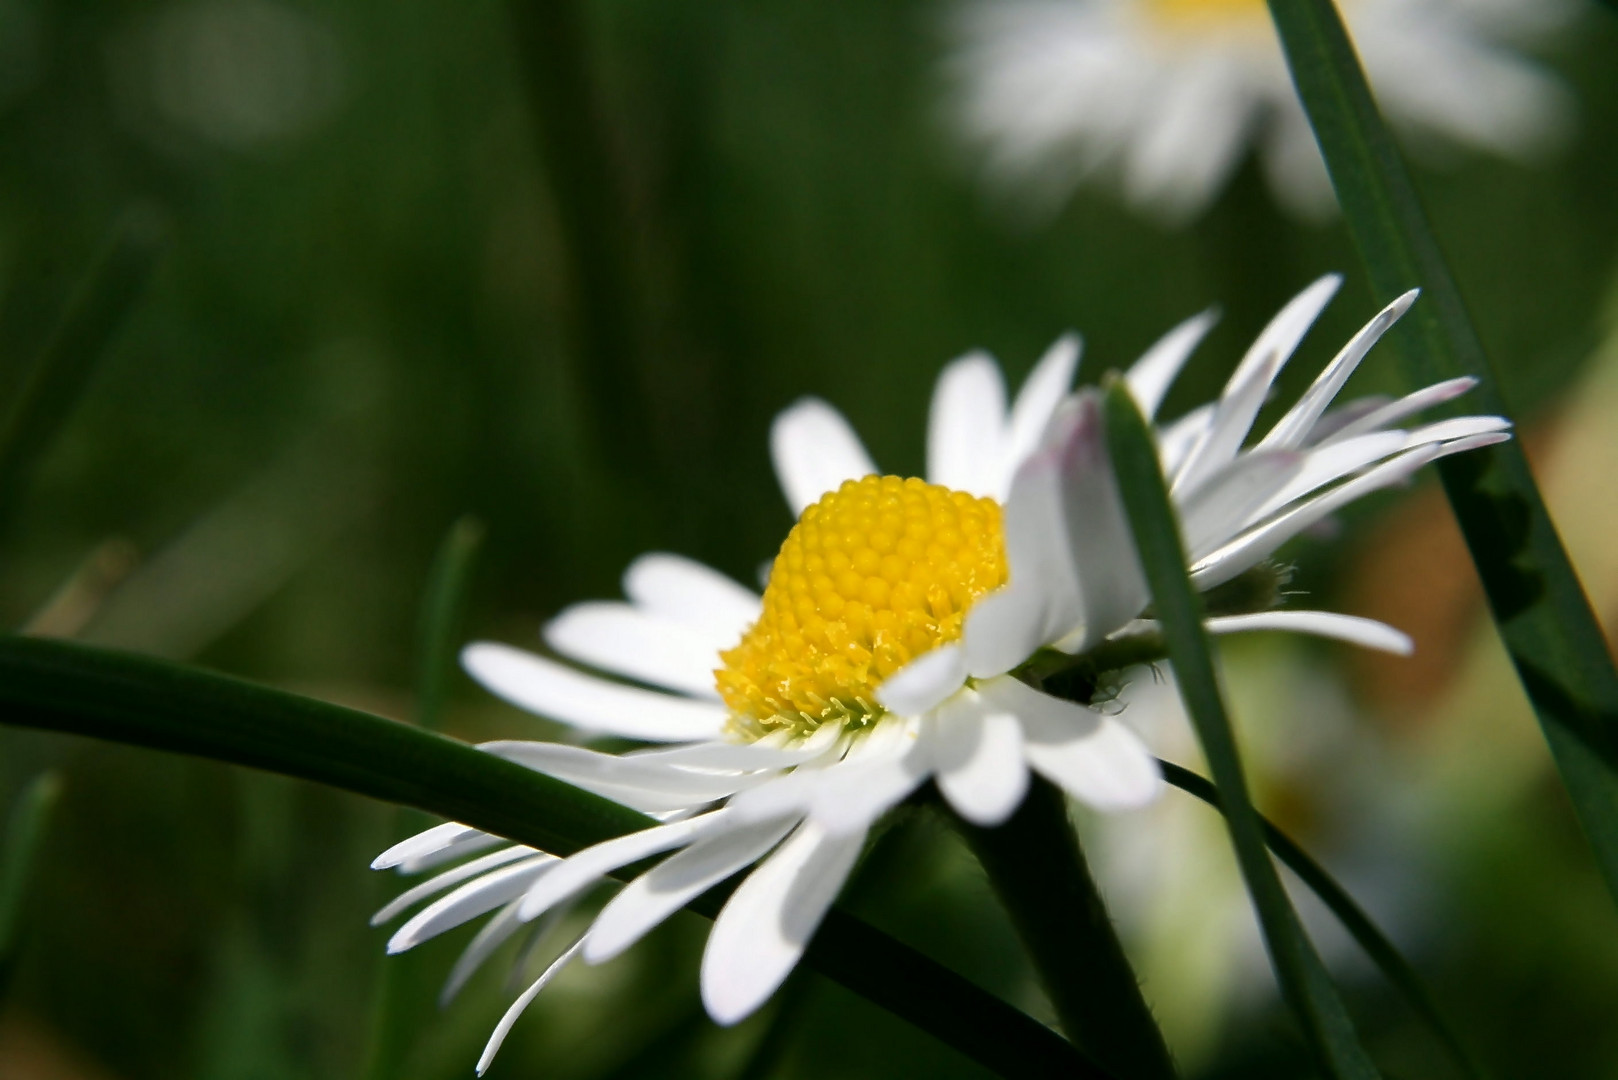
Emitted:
<point x="1037" y="869"/>
<point x="19" y="863"/>
<point x="441" y="611"/>
<point x="1305" y="984"/>
<point x="72" y="688"/>
<point x="1538" y="604"/>
<point x="593" y="216"/>
<point x="1383" y="953"/>
<point x="106" y="294"/>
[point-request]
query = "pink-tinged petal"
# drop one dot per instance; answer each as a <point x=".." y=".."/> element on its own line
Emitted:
<point x="815" y="449"/>
<point x="966" y="426"/>
<point x="1152" y="375"/>
<point x="1245" y="392"/>
<point x="1325" y="465"/>
<point x="551" y="689"/>
<point x="1036" y="403"/>
<point x="1394" y="412"/>
<point x="1257" y="543"/>
<point x="1226" y="503"/>
<point x="768" y="921"/>
<point x="1293" y="430"/>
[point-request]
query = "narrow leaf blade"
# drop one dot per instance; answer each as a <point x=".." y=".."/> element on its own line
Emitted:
<point x="1382" y="952"/>
<point x="61" y="686"/>
<point x="1304" y="982"/>
<point x="1538" y="604"/>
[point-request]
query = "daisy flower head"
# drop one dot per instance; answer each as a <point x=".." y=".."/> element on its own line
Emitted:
<point x="1164" y="97"/>
<point x="911" y="631"/>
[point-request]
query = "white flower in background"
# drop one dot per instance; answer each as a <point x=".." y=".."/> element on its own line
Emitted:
<point x="885" y="649"/>
<point x="1165" y="96"/>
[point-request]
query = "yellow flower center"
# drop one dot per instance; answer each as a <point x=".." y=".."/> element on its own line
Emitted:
<point x="873" y="575"/>
<point x="1187" y="14"/>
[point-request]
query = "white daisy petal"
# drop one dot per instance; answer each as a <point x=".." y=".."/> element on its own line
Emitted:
<point x="768" y="921"/>
<point x="1245" y="392"/>
<point x="1152" y="375"/>
<point x="1092" y="757"/>
<point x="735" y="757"/>
<point x="684" y="591"/>
<point x="1226" y="503"/>
<point x="675" y="882"/>
<point x="978" y="754"/>
<point x="1175" y="442"/>
<point x="1004" y="628"/>
<point x="503" y="1028"/>
<point x="1350" y="628"/>
<point x="1101" y="546"/>
<point x="554" y="690"/>
<point x="407" y="899"/>
<point x="649" y="785"/>
<point x="1293" y="429"/>
<point x="493" y="889"/>
<point x="425" y="843"/>
<point x="1324" y="465"/>
<point x="1409" y="405"/>
<point x="627" y="641"/>
<point x="927" y="680"/>
<point x="1257" y="543"/>
<point x="966" y="426"/>
<point x="1459" y="427"/>
<point x="584" y="868"/>
<point x="490" y="936"/>
<point x="1036" y="403"/>
<point x="815" y="450"/>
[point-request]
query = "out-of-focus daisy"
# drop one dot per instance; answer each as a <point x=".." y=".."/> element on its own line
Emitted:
<point x="1165" y="96"/>
<point x="903" y="637"/>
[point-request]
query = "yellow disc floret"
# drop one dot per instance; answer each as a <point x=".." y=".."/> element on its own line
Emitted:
<point x="873" y="575"/>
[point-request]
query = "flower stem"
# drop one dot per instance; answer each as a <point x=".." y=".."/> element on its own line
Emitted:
<point x="1039" y="872"/>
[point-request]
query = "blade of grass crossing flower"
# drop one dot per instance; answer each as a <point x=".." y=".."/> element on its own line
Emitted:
<point x="1535" y="596"/>
<point x="19" y="864"/>
<point x="66" y="687"/>
<point x="104" y="296"/>
<point x="441" y="610"/>
<point x="1353" y="918"/>
<point x="1304" y="982"/>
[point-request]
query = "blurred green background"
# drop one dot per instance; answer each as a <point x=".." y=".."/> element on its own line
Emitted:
<point x="558" y="266"/>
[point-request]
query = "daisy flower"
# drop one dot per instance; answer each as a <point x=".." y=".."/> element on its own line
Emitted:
<point x="903" y="637"/>
<point x="1164" y="96"/>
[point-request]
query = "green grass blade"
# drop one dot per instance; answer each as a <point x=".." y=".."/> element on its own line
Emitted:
<point x="441" y="611"/>
<point x="1383" y="953"/>
<point x="61" y="686"/>
<point x="1304" y="982"/>
<point x="1534" y="595"/>
<point x="106" y="294"/>
<point x="19" y="863"/>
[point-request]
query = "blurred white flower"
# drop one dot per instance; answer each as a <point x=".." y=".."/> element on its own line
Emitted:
<point x="242" y="74"/>
<point x="1163" y="97"/>
<point x="886" y="648"/>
